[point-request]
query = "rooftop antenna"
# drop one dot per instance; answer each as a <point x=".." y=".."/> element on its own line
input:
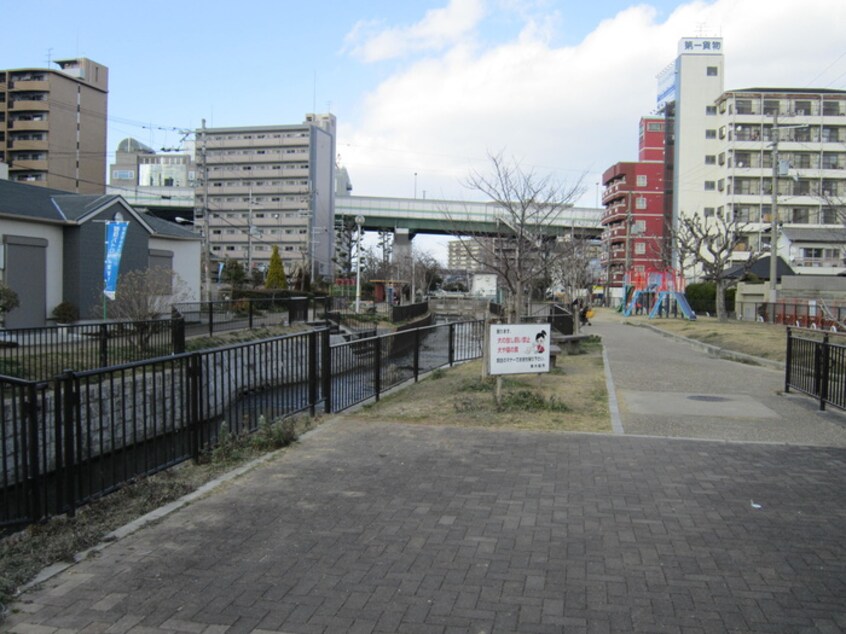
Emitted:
<point x="314" y="94"/>
<point x="49" y="57"/>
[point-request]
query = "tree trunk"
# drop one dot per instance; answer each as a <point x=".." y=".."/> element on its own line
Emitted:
<point x="722" y="314"/>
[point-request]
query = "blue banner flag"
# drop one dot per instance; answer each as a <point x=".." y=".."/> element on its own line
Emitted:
<point x="115" y="237"/>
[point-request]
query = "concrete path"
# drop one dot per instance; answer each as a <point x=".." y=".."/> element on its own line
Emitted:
<point x="379" y="527"/>
<point x="664" y="387"/>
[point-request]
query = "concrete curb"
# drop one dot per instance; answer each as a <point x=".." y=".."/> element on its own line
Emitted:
<point x="715" y="351"/>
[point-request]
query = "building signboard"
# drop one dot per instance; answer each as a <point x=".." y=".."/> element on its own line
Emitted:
<point x="518" y="348"/>
<point x="701" y="45"/>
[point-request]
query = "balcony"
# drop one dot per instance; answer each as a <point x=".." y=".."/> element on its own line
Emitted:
<point x="20" y="124"/>
<point x="27" y="144"/>
<point x="23" y="105"/>
<point x="28" y="166"/>
<point x="31" y="85"/>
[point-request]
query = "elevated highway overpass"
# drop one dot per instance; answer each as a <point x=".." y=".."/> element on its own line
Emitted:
<point x="451" y="217"/>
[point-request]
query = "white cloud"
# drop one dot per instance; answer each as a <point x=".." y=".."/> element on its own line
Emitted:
<point x="570" y="110"/>
<point x="438" y="29"/>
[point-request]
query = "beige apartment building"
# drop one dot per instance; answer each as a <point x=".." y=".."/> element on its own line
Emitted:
<point x="53" y="125"/>
<point x="262" y="186"/>
<point x="804" y="130"/>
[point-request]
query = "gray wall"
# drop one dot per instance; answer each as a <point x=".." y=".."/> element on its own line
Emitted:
<point x="85" y="251"/>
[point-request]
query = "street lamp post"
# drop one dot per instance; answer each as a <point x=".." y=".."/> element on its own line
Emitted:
<point x="359" y="220"/>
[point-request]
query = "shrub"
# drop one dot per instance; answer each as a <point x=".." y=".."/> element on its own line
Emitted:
<point x="66" y="313"/>
<point x="702" y="297"/>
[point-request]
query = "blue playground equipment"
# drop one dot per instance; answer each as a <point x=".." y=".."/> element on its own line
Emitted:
<point x="662" y="286"/>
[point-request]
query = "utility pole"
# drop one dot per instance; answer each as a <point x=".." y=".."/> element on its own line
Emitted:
<point x="206" y="231"/>
<point x="774" y="220"/>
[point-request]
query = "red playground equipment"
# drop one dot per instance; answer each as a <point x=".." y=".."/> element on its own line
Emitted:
<point x="664" y="290"/>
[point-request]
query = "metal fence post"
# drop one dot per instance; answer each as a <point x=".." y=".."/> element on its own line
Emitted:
<point x="312" y="371"/>
<point x="68" y="428"/>
<point x="327" y="370"/>
<point x="194" y="370"/>
<point x="211" y="319"/>
<point x="377" y="366"/>
<point x="416" y="353"/>
<point x="451" y="344"/>
<point x="33" y="473"/>
<point x="104" y="346"/>
<point x="788" y="358"/>
<point x="250" y="304"/>
<point x="178" y="334"/>
<point x="824" y="357"/>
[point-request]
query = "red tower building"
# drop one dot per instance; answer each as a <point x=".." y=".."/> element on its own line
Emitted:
<point x="635" y="231"/>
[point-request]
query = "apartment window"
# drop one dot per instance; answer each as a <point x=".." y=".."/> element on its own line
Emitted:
<point x="640" y="248"/>
<point x="640" y="202"/>
<point x="831" y="108"/>
<point x="710" y="186"/>
<point x="655" y="127"/>
<point x="721" y="184"/>
<point x="801" y="215"/>
<point x="711" y="110"/>
<point x="771" y="106"/>
<point x="743" y="106"/>
<point x="710" y="134"/>
<point x="639" y="227"/>
<point x="708" y="212"/>
<point x="802" y="107"/>
<point x="711" y="71"/>
<point x="829" y="216"/>
<point x="710" y="159"/>
<point x="641" y="180"/>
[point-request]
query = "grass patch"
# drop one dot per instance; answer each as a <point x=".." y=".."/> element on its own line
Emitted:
<point x="768" y="341"/>
<point x="572" y="397"/>
<point x="25" y="553"/>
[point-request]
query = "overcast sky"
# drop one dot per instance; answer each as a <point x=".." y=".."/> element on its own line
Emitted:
<point x="425" y="87"/>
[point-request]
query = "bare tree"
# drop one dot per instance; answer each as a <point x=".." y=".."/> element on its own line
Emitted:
<point x="572" y="269"/>
<point x="708" y="244"/>
<point x="527" y="208"/>
<point x="145" y="295"/>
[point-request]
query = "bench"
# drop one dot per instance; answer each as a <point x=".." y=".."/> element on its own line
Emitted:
<point x="569" y="344"/>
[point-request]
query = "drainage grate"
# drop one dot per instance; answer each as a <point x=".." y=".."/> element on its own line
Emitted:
<point x="709" y="399"/>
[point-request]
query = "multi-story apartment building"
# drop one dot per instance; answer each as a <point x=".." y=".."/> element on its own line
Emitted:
<point x="53" y="125"/>
<point x="269" y="185"/>
<point x="792" y="141"/>
<point x="163" y="183"/>
<point x="635" y="226"/>
<point x="688" y="90"/>
<point x="720" y="158"/>
<point x="465" y="255"/>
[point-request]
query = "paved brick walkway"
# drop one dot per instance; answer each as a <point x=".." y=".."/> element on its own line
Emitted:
<point x="378" y="527"/>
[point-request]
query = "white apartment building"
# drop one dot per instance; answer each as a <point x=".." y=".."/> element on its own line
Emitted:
<point x="720" y="148"/>
<point x="269" y="185"/>
<point x="806" y="129"/>
<point x="688" y="90"/>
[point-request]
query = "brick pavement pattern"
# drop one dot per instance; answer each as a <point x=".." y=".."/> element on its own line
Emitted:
<point x="380" y="527"/>
<point x="376" y="527"/>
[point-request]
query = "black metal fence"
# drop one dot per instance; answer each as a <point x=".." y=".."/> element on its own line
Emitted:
<point x="208" y="318"/>
<point x="84" y="434"/>
<point x="408" y="311"/>
<point x="816" y="365"/>
<point x="38" y="354"/>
